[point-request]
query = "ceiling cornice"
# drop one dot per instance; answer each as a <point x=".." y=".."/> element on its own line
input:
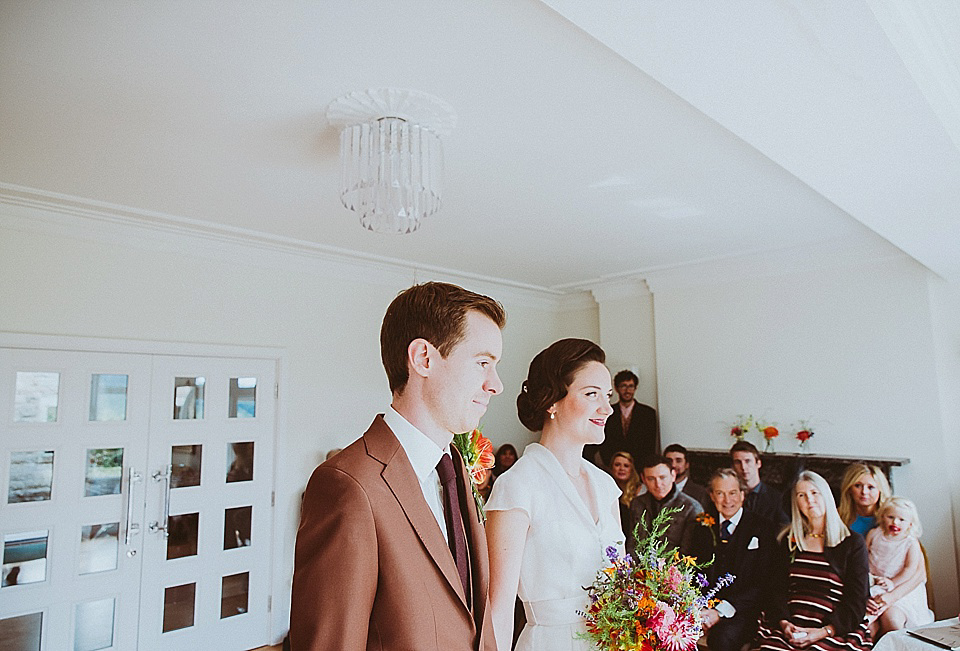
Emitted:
<point x="30" y="209"/>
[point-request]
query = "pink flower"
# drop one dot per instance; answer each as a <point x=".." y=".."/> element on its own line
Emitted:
<point x="681" y="635"/>
<point x="672" y="579"/>
<point x="662" y="619"/>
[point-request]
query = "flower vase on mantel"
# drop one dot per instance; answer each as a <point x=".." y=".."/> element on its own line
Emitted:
<point x="769" y="432"/>
<point x="803" y="436"/>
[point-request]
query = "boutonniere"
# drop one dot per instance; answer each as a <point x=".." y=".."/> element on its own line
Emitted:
<point x="477" y="452"/>
<point x="707" y="520"/>
<point x="704" y="519"/>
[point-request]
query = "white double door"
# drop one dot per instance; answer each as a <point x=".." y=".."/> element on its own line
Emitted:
<point x="136" y="508"/>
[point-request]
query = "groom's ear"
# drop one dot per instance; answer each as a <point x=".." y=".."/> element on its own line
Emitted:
<point x="419" y="356"/>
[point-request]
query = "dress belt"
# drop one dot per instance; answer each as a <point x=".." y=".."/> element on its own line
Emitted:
<point x="555" y="612"/>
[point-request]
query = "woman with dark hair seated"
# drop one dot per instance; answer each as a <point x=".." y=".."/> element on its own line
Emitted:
<point x="820" y="584"/>
<point x="504" y="459"/>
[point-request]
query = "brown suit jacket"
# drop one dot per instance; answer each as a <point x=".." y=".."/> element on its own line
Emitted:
<point x="372" y="569"/>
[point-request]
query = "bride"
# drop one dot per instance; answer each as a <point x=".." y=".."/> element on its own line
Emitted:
<point x="552" y="515"/>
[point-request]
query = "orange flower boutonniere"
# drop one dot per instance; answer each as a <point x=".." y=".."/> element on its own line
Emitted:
<point x="477" y="453"/>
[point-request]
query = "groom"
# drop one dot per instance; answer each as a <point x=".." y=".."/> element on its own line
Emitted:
<point x="390" y="552"/>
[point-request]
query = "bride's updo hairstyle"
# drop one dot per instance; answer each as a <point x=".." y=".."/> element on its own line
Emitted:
<point x="550" y="375"/>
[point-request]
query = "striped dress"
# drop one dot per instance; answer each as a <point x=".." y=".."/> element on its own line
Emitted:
<point x="814" y="591"/>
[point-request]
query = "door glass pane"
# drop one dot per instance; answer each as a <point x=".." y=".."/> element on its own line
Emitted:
<point x="184" y="531"/>
<point x="98" y="548"/>
<point x="21" y="633"/>
<point x="243" y="397"/>
<point x="236" y="527"/>
<point x="185" y="465"/>
<point x="31" y="476"/>
<point x="233" y="594"/>
<point x="36" y="397"/>
<point x="94" y="625"/>
<point x="24" y="558"/>
<point x="239" y="462"/>
<point x="188" y="397"/>
<point x="178" y="603"/>
<point x="108" y="397"/>
<point x="104" y="471"/>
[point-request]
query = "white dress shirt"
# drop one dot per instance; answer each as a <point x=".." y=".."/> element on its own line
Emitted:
<point x="424" y="455"/>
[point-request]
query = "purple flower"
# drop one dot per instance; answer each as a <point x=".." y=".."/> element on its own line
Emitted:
<point x="702" y="580"/>
<point x="722" y="582"/>
<point x="611" y="553"/>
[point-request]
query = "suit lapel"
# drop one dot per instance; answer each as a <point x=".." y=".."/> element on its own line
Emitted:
<point x="399" y="476"/>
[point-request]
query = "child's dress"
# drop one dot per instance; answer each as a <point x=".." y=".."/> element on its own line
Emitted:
<point x="887" y="558"/>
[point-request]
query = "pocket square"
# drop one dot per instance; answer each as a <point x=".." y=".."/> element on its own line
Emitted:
<point x="754" y="543"/>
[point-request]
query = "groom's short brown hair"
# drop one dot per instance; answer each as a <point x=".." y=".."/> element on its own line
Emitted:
<point x="433" y="311"/>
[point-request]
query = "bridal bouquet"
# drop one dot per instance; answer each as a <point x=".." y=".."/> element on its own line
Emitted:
<point x="652" y="603"/>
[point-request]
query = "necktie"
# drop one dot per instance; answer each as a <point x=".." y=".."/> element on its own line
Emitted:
<point x="451" y="511"/>
<point x="725" y="531"/>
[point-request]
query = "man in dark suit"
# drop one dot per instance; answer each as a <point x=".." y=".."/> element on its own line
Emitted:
<point x="632" y="427"/>
<point x="742" y="544"/>
<point x="763" y="499"/>
<point x="391" y="553"/>
<point x="677" y="454"/>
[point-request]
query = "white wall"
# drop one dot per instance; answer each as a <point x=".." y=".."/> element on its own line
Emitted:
<point x="852" y="348"/>
<point x="323" y="317"/>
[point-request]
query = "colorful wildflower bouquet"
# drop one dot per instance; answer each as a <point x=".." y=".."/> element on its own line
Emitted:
<point x="651" y="603"/>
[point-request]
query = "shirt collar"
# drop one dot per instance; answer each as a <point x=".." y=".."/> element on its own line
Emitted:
<point x="423" y="453"/>
<point x="680" y="483"/>
<point x="735" y="520"/>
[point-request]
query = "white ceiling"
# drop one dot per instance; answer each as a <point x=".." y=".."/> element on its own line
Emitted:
<point x="595" y="140"/>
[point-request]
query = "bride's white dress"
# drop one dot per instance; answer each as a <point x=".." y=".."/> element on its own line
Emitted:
<point x="564" y="548"/>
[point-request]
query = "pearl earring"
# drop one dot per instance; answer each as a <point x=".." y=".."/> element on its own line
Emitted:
<point x="553" y="416"/>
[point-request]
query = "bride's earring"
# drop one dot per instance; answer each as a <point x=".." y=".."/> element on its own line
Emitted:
<point x="553" y="416"/>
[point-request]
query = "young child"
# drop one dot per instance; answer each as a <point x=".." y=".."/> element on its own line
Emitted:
<point x="899" y="596"/>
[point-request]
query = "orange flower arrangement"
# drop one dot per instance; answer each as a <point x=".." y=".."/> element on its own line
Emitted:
<point x="477" y="452"/>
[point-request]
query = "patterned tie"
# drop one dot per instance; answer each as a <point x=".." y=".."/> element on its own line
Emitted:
<point x="725" y="531"/>
<point x="451" y="510"/>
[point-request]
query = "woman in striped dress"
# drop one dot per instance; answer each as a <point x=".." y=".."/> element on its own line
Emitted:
<point x="820" y="585"/>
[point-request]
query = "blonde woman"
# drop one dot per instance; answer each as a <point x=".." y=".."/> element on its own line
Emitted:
<point x="624" y="472"/>
<point x="864" y="488"/>
<point x="820" y="584"/>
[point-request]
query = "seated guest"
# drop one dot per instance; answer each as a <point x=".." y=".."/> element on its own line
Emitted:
<point x="505" y="457"/>
<point x="762" y="499"/>
<point x="740" y="543"/>
<point x="658" y="477"/>
<point x="625" y="474"/>
<point x="899" y="597"/>
<point x="864" y="488"/>
<point x="677" y="454"/>
<point x="819" y="584"/>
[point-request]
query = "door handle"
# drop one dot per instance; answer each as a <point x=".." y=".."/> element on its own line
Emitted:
<point x="132" y="527"/>
<point x="164" y="476"/>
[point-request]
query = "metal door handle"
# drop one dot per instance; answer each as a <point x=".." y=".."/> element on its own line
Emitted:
<point x="164" y="476"/>
<point x="132" y="527"/>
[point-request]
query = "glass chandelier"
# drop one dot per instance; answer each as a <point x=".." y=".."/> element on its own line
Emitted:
<point x="391" y="156"/>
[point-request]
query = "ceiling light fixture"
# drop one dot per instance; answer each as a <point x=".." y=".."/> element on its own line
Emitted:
<point x="391" y="158"/>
